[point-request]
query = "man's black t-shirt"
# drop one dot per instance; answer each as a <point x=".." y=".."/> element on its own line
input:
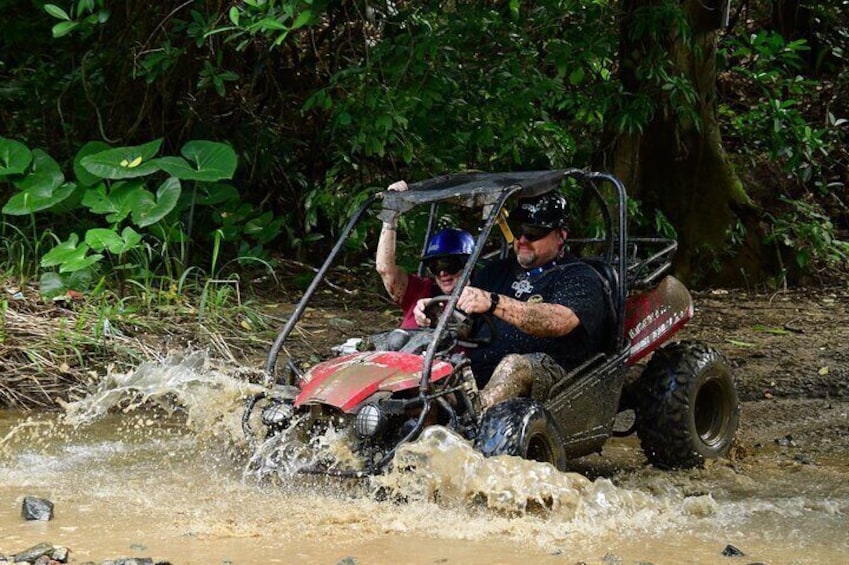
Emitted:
<point x="571" y="283"/>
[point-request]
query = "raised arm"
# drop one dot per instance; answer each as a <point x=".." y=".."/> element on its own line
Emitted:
<point x="395" y="279"/>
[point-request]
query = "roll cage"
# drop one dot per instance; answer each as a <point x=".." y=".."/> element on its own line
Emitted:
<point x="621" y="263"/>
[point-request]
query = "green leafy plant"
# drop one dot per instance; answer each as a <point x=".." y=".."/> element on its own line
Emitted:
<point x="82" y="14"/>
<point x="773" y="120"/>
<point x="124" y="215"/>
<point x="809" y="234"/>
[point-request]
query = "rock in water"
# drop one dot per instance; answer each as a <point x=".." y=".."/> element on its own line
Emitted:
<point x="35" y="508"/>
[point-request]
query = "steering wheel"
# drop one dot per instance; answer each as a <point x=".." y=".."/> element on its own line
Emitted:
<point x="461" y="323"/>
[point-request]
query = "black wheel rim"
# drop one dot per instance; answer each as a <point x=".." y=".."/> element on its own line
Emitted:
<point x="539" y="449"/>
<point x="712" y="413"/>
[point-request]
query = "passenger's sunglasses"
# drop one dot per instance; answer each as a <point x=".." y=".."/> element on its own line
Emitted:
<point x="450" y="265"/>
<point x="530" y="231"/>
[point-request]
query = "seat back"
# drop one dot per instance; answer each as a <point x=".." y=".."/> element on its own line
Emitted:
<point x="610" y="282"/>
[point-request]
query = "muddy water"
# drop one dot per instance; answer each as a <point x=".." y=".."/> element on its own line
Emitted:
<point x="153" y="464"/>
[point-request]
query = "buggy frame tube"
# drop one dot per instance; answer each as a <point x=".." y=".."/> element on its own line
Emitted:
<point x="622" y="235"/>
<point x="431" y="221"/>
<point x="271" y="362"/>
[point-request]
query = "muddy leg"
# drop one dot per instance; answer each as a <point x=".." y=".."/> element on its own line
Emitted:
<point x="530" y="375"/>
<point x="511" y="378"/>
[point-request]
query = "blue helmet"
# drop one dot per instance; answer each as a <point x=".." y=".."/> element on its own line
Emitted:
<point x="450" y="241"/>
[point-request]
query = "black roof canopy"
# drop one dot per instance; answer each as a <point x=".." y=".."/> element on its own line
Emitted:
<point x="473" y="190"/>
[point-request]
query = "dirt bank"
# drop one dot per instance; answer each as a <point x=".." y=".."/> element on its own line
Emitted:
<point x="790" y="353"/>
<point x="784" y="345"/>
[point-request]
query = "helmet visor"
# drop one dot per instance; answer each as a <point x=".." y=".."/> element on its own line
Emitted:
<point x="450" y="264"/>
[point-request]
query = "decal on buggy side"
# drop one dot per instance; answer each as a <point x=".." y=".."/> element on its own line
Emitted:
<point x="657" y="323"/>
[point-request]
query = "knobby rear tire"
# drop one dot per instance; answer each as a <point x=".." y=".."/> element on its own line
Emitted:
<point x="687" y="406"/>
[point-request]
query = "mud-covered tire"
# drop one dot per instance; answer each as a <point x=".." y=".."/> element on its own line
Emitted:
<point x="687" y="406"/>
<point x="523" y="427"/>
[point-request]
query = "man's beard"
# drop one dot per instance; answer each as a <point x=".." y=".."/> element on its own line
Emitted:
<point x="527" y="260"/>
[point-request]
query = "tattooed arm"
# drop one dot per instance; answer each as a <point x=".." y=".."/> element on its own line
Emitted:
<point x="540" y="319"/>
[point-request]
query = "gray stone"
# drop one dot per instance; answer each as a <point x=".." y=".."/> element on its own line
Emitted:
<point x="60" y="554"/>
<point x="731" y="551"/>
<point x="35" y="508"/>
<point x="33" y="553"/>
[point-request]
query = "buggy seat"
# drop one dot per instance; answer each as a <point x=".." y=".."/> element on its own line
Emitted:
<point x="610" y="283"/>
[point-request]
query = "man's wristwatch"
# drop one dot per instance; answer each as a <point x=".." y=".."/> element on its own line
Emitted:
<point x="493" y="302"/>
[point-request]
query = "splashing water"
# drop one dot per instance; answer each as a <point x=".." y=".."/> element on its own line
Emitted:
<point x="439" y="467"/>
<point x="449" y="494"/>
<point x="295" y="450"/>
<point x="443" y="467"/>
<point x="189" y="382"/>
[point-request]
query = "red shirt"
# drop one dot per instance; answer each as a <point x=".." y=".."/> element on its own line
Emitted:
<point x="417" y="287"/>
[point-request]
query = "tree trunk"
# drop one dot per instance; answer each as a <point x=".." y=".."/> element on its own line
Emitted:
<point x="677" y="164"/>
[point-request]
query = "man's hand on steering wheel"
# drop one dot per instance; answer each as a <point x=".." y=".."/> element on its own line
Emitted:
<point x="474" y="300"/>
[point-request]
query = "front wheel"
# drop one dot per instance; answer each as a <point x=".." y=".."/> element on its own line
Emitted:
<point x="523" y="427"/>
<point x="687" y="406"/>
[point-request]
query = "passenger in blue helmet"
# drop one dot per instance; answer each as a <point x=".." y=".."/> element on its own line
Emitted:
<point x="444" y="257"/>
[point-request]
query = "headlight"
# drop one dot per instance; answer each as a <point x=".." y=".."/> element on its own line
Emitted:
<point x="277" y="413"/>
<point x="369" y="421"/>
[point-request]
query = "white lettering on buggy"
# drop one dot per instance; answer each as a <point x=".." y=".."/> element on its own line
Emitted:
<point x="657" y="332"/>
<point x="650" y="318"/>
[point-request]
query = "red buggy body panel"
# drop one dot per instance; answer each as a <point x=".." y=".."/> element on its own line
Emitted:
<point x="652" y="316"/>
<point x="345" y="382"/>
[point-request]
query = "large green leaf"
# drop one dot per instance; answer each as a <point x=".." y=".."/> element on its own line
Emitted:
<point x="84" y="177"/>
<point x="123" y="162"/>
<point x="70" y="203"/>
<point x="204" y="161"/>
<point x="264" y="227"/>
<point x="116" y="203"/>
<point x="37" y="199"/>
<point x="69" y="256"/>
<point x="216" y="193"/>
<point x="148" y="210"/>
<point x="15" y="157"/>
<point x="63" y="28"/>
<point x="52" y="284"/>
<point x="101" y="238"/>
<point x="45" y="173"/>
<point x="40" y="190"/>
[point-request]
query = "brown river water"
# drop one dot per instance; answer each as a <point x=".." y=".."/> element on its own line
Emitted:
<point x="153" y="464"/>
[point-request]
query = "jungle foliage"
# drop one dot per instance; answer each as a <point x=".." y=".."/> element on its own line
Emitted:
<point x="302" y="108"/>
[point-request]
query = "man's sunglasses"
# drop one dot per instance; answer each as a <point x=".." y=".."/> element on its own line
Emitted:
<point x="450" y="265"/>
<point x="530" y="231"/>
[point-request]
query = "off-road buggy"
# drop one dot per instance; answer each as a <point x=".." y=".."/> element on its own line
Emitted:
<point x="683" y="405"/>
